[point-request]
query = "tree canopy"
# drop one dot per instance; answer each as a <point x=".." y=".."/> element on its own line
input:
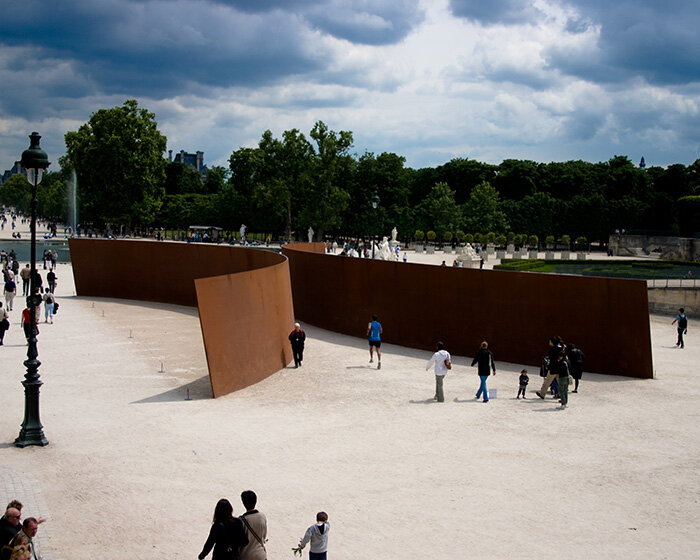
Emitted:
<point x="286" y="184"/>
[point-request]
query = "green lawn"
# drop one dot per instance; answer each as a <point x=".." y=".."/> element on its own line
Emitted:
<point x="610" y="268"/>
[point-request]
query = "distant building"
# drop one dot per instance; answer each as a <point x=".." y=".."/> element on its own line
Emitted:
<point x="193" y="161"/>
<point x="16" y="168"/>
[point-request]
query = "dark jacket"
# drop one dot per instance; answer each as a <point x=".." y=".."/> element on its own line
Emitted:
<point x="485" y="360"/>
<point x="297" y="338"/>
<point x="560" y="368"/>
<point x="7" y="531"/>
<point x="222" y="536"/>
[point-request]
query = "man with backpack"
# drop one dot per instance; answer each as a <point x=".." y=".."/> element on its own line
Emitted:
<point x="682" y="321"/>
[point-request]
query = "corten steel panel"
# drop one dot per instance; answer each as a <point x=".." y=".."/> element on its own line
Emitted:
<point x="245" y="310"/>
<point x="250" y="336"/>
<point x="516" y="312"/>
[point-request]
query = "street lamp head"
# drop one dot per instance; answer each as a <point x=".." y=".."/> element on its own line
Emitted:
<point x="375" y="201"/>
<point x="34" y="159"/>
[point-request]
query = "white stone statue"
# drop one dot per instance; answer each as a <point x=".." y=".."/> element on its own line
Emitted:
<point x="242" y="231"/>
<point x="310" y="233"/>
<point x="468" y="257"/>
<point x="384" y="252"/>
<point x="394" y="233"/>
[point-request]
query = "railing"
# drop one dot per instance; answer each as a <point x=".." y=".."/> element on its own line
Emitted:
<point x="688" y="283"/>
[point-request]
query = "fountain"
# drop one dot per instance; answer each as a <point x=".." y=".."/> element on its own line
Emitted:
<point x="73" y="202"/>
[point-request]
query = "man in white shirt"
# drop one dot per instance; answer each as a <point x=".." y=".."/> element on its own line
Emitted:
<point x="443" y="362"/>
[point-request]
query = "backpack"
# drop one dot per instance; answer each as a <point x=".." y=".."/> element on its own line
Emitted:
<point x="55" y="307"/>
<point x="683" y="322"/>
<point x="544" y="368"/>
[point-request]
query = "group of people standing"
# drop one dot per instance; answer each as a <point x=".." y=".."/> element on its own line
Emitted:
<point x="17" y="536"/>
<point x="561" y="364"/>
<point x="244" y="537"/>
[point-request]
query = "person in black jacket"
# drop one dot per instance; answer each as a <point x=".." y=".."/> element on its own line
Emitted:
<point x="297" y="338"/>
<point x="576" y="360"/>
<point x="486" y="364"/>
<point x="226" y="535"/>
<point x="561" y="370"/>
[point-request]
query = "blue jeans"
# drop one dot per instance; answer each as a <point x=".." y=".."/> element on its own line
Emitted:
<point x="482" y="388"/>
<point x="317" y="555"/>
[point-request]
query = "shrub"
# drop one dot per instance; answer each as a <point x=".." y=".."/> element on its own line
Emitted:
<point x="431" y="235"/>
<point x="533" y="241"/>
<point x="419" y="235"/>
<point x="501" y="240"/>
<point x="549" y="240"/>
<point x="460" y="235"/>
<point x="468" y="238"/>
<point x="447" y="236"/>
<point x="490" y="238"/>
<point x="582" y="242"/>
<point x="477" y="238"/>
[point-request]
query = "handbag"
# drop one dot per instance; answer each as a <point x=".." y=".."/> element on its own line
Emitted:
<point x="448" y="363"/>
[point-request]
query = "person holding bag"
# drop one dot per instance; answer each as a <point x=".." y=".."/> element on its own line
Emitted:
<point x="226" y="535"/>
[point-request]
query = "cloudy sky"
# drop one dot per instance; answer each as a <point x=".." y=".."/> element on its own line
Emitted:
<point x="427" y="79"/>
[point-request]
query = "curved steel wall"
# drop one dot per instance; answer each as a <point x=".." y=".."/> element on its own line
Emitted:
<point x="243" y="295"/>
<point x="516" y="312"/>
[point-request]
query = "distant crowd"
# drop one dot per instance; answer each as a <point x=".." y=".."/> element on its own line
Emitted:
<point x="44" y="294"/>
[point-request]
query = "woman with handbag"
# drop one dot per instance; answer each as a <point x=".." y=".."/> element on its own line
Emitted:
<point x="226" y="535"/>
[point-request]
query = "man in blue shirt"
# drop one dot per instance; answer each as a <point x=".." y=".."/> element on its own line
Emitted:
<point x="682" y="321"/>
<point x="374" y="332"/>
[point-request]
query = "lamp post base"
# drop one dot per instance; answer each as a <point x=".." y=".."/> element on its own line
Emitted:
<point x="32" y="432"/>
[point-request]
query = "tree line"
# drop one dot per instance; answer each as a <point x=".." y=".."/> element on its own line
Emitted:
<point x="286" y="185"/>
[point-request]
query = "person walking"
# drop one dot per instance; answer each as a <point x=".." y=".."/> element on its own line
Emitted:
<point x="576" y="362"/>
<point x="442" y="362"/>
<point x="486" y="363"/>
<point x="682" y="321"/>
<point x="317" y="535"/>
<point x="10" y="291"/>
<point x="374" y="336"/>
<point x="561" y="370"/>
<point x="51" y="280"/>
<point x="4" y="324"/>
<point x="255" y="526"/>
<point x="555" y="348"/>
<point x="297" y="338"/>
<point x="523" y="380"/>
<point x="49" y="300"/>
<point x="226" y="535"/>
<point x="24" y="274"/>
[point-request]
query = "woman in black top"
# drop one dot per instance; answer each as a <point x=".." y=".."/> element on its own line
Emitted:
<point x="226" y="535"/>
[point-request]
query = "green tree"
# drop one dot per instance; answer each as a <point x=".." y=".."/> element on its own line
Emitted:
<point x="181" y="179"/>
<point x="118" y="158"/>
<point x="326" y="195"/>
<point x="482" y="210"/>
<point x="439" y="209"/>
<point x="16" y="192"/>
<point x="419" y="235"/>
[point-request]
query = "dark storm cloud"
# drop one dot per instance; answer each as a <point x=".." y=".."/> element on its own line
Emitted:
<point x="167" y="47"/>
<point x="496" y="11"/>
<point x="654" y="39"/>
<point x="371" y="22"/>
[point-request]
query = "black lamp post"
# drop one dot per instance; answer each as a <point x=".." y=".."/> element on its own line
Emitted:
<point x="375" y="203"/>
<point x="35" y="161"/>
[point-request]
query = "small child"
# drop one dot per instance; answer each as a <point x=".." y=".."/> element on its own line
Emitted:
<point x="317" y="534"/>
<point x="524" y="380"/>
